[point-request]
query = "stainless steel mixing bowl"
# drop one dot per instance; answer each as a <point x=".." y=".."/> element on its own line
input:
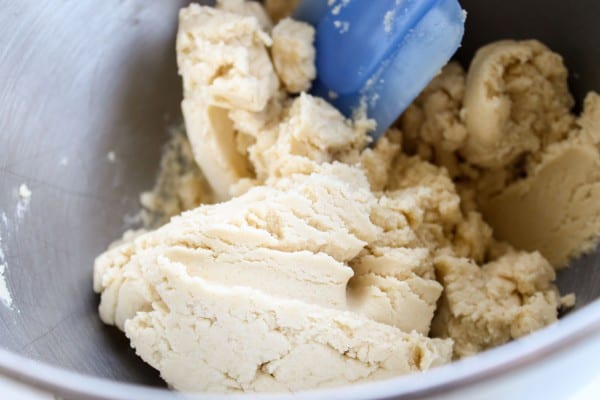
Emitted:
<point x="81" y="79"/>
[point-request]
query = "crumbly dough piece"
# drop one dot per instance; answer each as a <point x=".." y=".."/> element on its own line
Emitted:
<point x="516" y="101"/>
<point x="223" y="57"/>
<point x="238" y="146"/>
<point x="556" y="209"/>
<point x="426" y="197"/>
<point x="213" y="141"/>
<point x="225" y="64"/>
<point x="506" y="136"/>
<point x="311" y="132"/>
<point x="483" y="307"/>
<point x="434" y="117"/>
<point x="433" y="124"/>
<point x="419" y="216"/>
<point x="294" y="54"/>
<point x="292" y="239"/>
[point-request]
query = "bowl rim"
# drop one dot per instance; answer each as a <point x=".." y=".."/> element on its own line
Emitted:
<point x="572" y="329"/>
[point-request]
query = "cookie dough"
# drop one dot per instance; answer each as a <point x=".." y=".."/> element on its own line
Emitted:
<point x="506" y="134"/>
<point x="486" y="306"/>
<point x="293" y="54"/>
<point x="247" y="8"/>
<point x="516" y="101"/>
<point x="556" y="208"/>
<point x="250" y="294"/>
<point x="324" y="262"/>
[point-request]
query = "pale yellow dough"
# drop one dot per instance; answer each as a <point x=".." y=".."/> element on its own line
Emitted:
<point x="505" y="133"/>
<point x="248" y="294"/>
<point x="556" y="209"/>
<point x="325" y="263"/>
<point x="294" y="54"/>
<point x="516" y="101"/>
<point x="486" y="306"/>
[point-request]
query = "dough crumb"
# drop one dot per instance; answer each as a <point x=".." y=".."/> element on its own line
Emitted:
<point x="111" y="156"/>
<point x="568" y="300"/>
<point x="503" y="300"/>
<point x="5" y="296"/>
<point x="24" y="192"/>
<point x="24" y="199"/>
<point x="342" y="26"/>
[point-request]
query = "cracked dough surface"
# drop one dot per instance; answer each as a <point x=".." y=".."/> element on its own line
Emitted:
<point x="324" y="263"/>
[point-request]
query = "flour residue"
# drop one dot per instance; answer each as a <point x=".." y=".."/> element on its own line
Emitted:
<point x="388" y="21"/>
<point x="5" y="296"/>
<point x="24" y="198"/>
<point x="24" y="191"/>
<point x="342" y="26"/>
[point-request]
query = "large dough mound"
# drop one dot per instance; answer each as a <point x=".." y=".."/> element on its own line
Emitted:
<point x="289" y="240"/>
<point x="222" y="56"/>
<point x="268" y="270"/>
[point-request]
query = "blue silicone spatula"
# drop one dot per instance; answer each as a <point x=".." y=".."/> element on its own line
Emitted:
<point x="381" y="53"/>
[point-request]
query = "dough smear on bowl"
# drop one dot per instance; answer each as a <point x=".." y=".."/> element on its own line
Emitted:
<point x="292" y="256"/>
